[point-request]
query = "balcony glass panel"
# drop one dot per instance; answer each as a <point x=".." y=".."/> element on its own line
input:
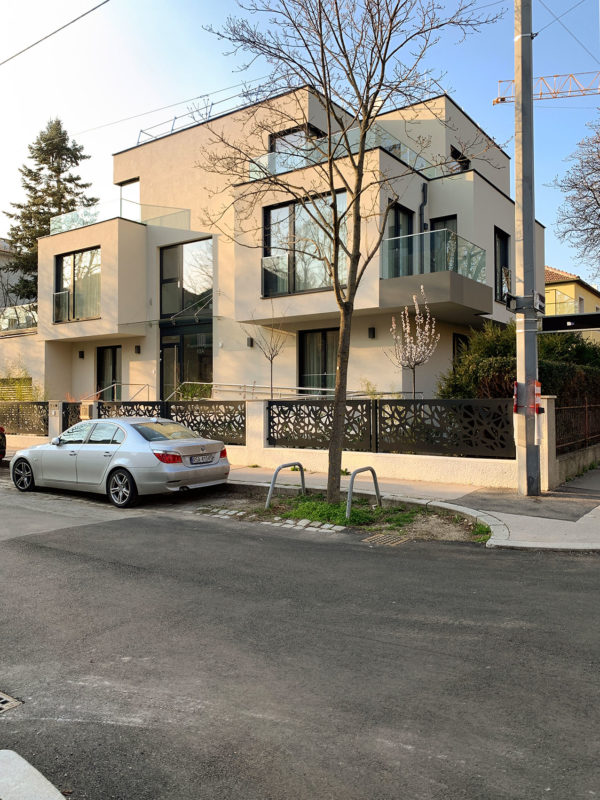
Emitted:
<point x="432" y="251"/>
<point x="15" y="318"/>
<point x="560" y="303"/>
<point x="315" y="151"/>
<point x="126" y="209"/>
<point x="86" y="295"/>
<point x="61" y="306"/>
<point x="275" y="275"/>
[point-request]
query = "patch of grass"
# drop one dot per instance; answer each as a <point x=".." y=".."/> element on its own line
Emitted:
<point x="481" y="533"/>
<point x="317" y="509"/>
<point x="253" y="466"/>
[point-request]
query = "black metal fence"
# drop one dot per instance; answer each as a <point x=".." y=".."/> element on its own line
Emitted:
<point x="475" y="428"/>
<point x="24" y="417"/>
<point x="577" y="427"/>
<point x="71" y="415"/>
<point x="215" y="419"/>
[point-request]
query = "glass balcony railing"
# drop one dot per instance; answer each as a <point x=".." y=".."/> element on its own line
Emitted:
<point x="61" y="306"/>
<point x="275" y="275"/>
<point x="17" y="318"/>
<point x="315" y="151"/>
<point x="560" y="303"/>
<point x="432" y="251"/>
<point x="147" y="214"/>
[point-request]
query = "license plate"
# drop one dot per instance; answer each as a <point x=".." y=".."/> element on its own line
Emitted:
<point x="201" y="459"/>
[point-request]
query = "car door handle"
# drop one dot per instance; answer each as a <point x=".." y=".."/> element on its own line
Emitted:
<point x="73" y="453"/>
<point x="107" y="455"/>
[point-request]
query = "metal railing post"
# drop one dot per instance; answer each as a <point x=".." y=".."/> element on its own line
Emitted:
<point x="351" y="488"/>
<point x="276" y="473"/>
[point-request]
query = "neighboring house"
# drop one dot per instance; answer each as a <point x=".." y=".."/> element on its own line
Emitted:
<point x="137" y="300"/>
<point x="567" y="293"/>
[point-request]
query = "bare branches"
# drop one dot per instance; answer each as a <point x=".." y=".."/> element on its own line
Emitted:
<point x="270" y="340"/>
<point x="578" y="220"/>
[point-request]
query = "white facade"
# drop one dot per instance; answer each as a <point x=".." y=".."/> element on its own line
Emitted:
<point x="123" y="301"/>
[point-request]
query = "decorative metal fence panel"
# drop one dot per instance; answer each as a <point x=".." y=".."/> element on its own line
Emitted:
<point x="131" y="408"/>
<point x="307" y="423"/>
<point x="26" y="417"/>
<point x="71" y="415"/>
<point x="475" y="428"/>
<point x="223" y="420"/>
<point x="577" y="427"/>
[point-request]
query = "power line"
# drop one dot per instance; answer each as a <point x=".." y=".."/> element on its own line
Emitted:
<point x="579" y="42"/>
<point x="62" y="27"/>
<point x="557" y="19"/>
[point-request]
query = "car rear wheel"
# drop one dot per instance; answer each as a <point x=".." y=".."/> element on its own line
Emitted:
<point x="23" y="476"/>
<point x="121" y="488"/>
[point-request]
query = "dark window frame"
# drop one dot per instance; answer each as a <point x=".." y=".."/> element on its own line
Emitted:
<point x="179" y="279"/>
<point x="311" y="131"/>
<point x="301" y="334"/>
<point x="499" y="279"/>
<point x="58" y="276"/>
<point x="291" y="254"/>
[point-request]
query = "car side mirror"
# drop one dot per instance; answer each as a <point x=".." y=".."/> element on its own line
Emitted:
<point x="55" y="441"/>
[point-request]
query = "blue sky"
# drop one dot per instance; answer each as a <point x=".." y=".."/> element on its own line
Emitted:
<point x="131" y="56"/>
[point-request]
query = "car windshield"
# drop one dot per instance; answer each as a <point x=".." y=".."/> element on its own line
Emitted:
<point x="159" y="431"/>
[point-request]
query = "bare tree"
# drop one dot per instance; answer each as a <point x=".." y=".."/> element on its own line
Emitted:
<point x="270" y="340"/>
<point x="352" y="60"/>
<point x="578" y="220"/>
<point x="414" y="344"/>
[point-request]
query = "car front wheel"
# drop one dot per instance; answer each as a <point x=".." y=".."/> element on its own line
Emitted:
<point x="121" y="489"/>
<point x="23" y="476"/>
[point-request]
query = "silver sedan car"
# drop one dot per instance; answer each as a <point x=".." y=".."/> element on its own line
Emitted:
<point x="123" y="458"/>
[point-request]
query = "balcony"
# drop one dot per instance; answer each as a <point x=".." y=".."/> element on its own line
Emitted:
<point x="432" y="251"/>
<point x="18" y="318"/>
<point x="451" y="270"/>
<point x="560" y="303"/>
<point x="315" y="151"/>
<point x="162" y="216"/>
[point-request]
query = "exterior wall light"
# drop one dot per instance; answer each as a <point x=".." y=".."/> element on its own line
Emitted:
<point x="81" y="354"/>
<point x="371" y="333"/>
<point x="250" y="342"/>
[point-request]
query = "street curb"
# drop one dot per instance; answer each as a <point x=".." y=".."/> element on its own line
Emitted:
<point x="500" y="532"/>
<point x="19" y="780"/>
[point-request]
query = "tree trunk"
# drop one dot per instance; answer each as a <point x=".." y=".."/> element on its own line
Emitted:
<point x="414" y="371"/>
<point x="271" y="365"/>
<point x="336" y="442"/>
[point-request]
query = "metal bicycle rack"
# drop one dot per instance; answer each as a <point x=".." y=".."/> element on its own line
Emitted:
<point x="351" y="487"/>
<point x="276" y="473"/>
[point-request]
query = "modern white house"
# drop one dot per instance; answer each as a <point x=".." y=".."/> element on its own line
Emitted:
<point x="168" y="285"/>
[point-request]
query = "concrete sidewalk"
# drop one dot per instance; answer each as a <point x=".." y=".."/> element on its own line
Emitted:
<point x="566" y="519"/>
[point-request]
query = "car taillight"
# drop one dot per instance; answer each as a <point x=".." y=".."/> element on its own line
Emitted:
<point x="167" y="458"/>
<point x="223" y="453"/>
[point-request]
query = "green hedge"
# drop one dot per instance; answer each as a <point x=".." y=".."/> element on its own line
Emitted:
<point x="568" y="366"/>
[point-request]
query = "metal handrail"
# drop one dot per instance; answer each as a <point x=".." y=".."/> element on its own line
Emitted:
<point x="287" y="392"/>
<point x="351" y="488"/>
<point x="276" y="473"/>
<point x="113" y="385"/>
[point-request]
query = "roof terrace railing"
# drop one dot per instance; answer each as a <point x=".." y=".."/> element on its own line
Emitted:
<point x="163" y="216"/>
<point x="316" y="151"/>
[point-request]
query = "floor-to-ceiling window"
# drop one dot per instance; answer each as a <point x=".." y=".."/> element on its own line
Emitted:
<point x="108" y="372"/>
<point x="186" y="284"/>
<point x="317" y="360"/>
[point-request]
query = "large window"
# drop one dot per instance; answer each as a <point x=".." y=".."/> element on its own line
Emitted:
<point x="186" y="275"/>
<point x="400" y="252"/>
<point x="501" y="265"/>
<point x="297" y="248"/>
<point x="77" y="286"/>
<point x="317" y="360"/>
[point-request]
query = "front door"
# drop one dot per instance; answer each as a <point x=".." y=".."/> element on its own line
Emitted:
<point x="170" y="366"/>
<point x="108" y="384"/>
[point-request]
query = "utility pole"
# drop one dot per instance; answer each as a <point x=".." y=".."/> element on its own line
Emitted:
<point x="528" y="455"/>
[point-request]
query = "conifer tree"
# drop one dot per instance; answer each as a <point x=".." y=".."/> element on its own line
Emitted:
<point x="51" y="188"/>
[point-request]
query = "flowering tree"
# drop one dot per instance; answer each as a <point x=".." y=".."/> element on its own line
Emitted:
<point x="413" y="347"/>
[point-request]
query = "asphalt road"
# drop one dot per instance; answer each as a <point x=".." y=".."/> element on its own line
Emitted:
<point x="164" y="655"/>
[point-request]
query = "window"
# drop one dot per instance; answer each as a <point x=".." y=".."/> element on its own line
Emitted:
<point x="460" y="344"/>
<point x="77" y="286"/>
<point x="444" y="244"/>
<point x="461" y="162"/>
<point x="399" y="257"/>
<point x="77" y="434"/>
<point x="296" y="248"/>
<point x="581" y="305"/>
<point x="105" y="433"/>
<point x="186" y="280"/>
<point x="501" y="265"/>
<point x="317" y="360"/>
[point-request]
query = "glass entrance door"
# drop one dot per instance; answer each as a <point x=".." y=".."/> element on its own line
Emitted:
<point x="108" y="361"/>
<point x="186" y="359"/>
<point x="170" y="367"/>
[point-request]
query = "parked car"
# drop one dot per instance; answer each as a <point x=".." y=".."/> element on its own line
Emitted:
<point x="123" y="458"/>
<point x="2" y="442"/>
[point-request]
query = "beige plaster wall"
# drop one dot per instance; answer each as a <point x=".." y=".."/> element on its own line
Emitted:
<point x="23" y="352"/>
